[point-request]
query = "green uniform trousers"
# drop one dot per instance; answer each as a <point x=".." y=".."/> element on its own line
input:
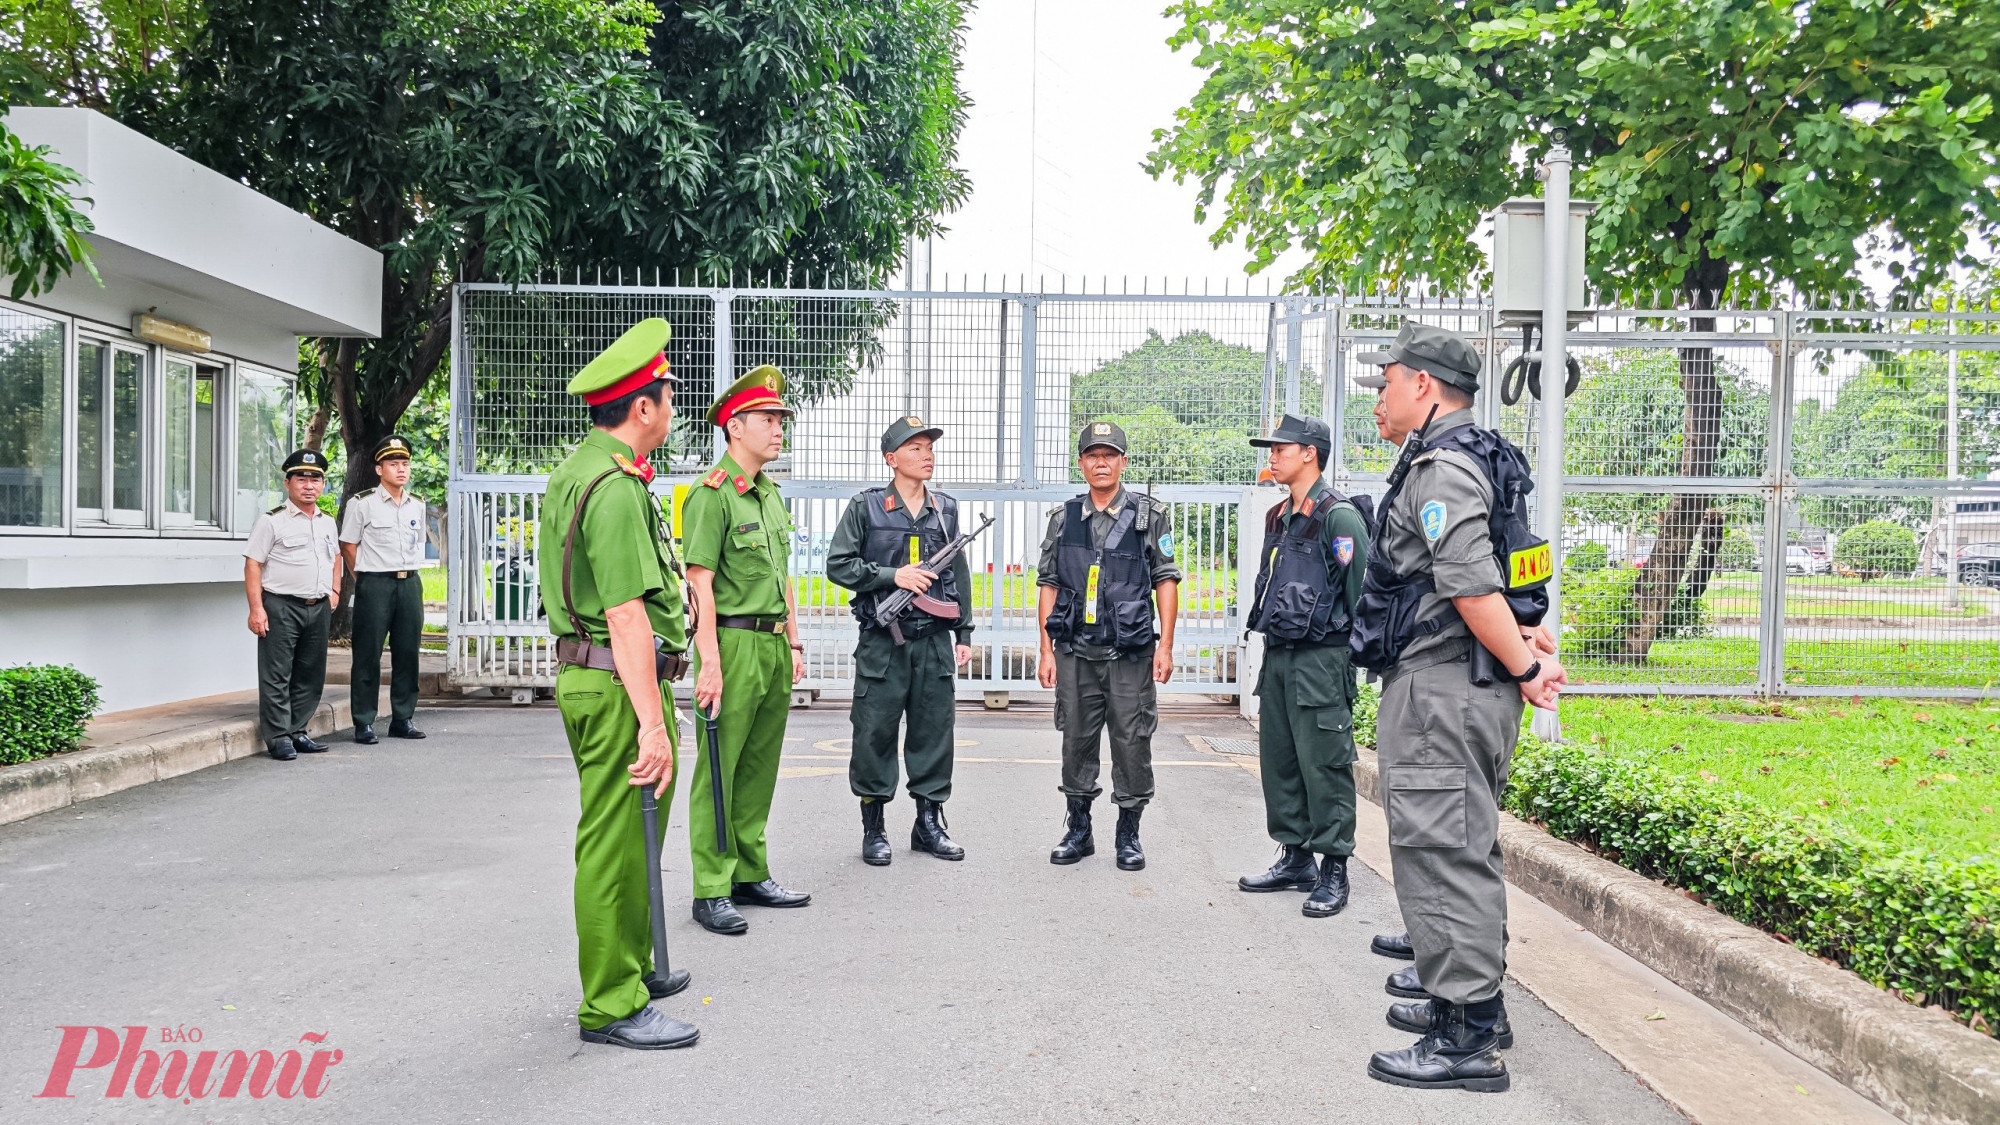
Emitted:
<point x="1305" y="746"/>
<point x="291" y="664"/>
<point x="1116" y="694"/>
<point x="614" y="932"/>
<point x="1444" y="747"/>
<point x="891" y="680"/>
<point x="392" y="607"/>
<point x="756" y="700"/>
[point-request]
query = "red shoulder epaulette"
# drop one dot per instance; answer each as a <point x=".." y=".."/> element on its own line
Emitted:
<point x="715" y="477"/>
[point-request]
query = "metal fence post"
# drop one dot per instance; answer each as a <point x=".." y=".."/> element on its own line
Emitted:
<point x="1294" y="349"/>
<point x="1778" y="478"/>
<point x="1555" y="332"/>
<point x="725" y="356"/>
<point x="1334" y="390"/>
<point x="1031" y="314"/>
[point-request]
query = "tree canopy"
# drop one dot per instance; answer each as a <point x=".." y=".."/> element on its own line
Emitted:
<point x="1188" y="406"/>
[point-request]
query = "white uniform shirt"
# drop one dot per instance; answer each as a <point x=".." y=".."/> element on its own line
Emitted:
<point x="388" y="536"/>
<point x="299" y="551"/>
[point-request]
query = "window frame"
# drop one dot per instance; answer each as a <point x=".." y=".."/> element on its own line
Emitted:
<point x="66" y="472"/>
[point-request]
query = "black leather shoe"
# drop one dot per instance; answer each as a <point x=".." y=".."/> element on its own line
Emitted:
<point x="1415" y="1016"/>
<point x="660" y="987"/>
<point x="304" y="744"/>
<point x="1393" y="945"/>
<point x="766" y="893"/>
<point x="364" y="733"/>
<point x="928" y="833"/>
<point x="643" y="1030"/>
<point x="875" y="851"/>
<point x="1330" y="896"/>
<point x="1076" y="842"/>
<point x="1451" y="1055"/>
<point x="1403" y="982"/>
<point x="281" y="748"/>
<point x="1294" y="871"/>
<point x="1130" y="857"/>
<point x="717" y="916"/>
<point x="404" y="728"/>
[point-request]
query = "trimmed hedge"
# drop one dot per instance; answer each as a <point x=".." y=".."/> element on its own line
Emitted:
<point x="43" y="711"/>
<point x="1928" y="929"/>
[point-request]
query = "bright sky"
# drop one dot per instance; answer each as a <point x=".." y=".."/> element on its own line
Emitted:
<point x="1065" y="100"/>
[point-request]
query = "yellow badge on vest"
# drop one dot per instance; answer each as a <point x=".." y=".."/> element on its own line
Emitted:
<point x="1530" y="566"/>
<point x="916" y="550"/>
<point x="1090" y="597"/>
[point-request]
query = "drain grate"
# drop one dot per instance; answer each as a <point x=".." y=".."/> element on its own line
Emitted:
<point x="1241" y="746"/>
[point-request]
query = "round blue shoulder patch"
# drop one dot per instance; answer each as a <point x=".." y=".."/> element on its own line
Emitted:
<point x="1167" y="544"/>
<point x="1433" y="517"/>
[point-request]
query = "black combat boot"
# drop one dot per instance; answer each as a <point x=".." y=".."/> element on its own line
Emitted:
<point x="1294" y="871"/>
<point x="1130" y="858"/>
<point x="1329" y="897"/>
<point x="1393" y="945"/>
<point x="1076" y="842"/>
<point x="1403" y="982"/>
<point x="1415" y="1016"/>
<point x="927" y="834"/>
<point x="874" y="837"/>
<point x="1456" y="1052"/>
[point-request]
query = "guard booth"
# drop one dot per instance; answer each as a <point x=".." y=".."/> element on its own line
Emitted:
<point x="1011" y="375"/>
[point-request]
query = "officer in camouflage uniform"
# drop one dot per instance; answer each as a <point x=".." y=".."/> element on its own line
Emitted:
<point x="879" y="546"/>
<point x="613" y="596"/>
<point x="1450" y="614"/>
<point x="1106" y="558"/>
<point x="1308" y="583"/>
<point x="738" y="537"/>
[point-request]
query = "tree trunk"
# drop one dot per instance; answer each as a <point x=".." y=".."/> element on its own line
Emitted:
<point x="1701" y="440"/>
<point x="1708" y="548"/>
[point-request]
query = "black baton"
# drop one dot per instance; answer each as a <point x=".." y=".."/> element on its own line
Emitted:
<point x="649" y="811"/>
<point x="715" y="780"/>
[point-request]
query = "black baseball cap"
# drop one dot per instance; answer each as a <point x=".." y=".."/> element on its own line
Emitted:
<point x="306" y="462"/>
<point x="1425" y="347"/>
<point x="1296" y="429"/>
<point x="1100" y="433"/>
<point x="903" y="429"/>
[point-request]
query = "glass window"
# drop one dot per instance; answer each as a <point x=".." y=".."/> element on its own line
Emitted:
<point x="180" y="437"/>
<point x="90" y="360"/>
<point x="128" y="488"/>
<point x="31" y="420"/>
<point x="111" y="436"/>
<point x="206" y="380"/>
<point x="263" y="438"/>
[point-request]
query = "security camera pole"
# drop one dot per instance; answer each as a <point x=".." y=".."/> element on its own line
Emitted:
<point x="1554" y="172"/>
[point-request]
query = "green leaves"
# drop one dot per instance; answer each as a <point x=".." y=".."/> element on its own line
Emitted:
<point x="44" y="709"/>
<point x="41" y="227"/>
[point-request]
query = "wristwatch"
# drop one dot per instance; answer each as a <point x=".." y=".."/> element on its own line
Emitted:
<point x="1529" y="673"/>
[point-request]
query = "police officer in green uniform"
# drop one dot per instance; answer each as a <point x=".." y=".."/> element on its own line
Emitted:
<point x="291" y="575"/>
<point x="1308" y="582"/>
<point x="737" y="533"/>
<point x="1107" y="557"/>
<point x="879" y="546"/>
<point x="382" y="536"/>
<point x="611" y="589"/>
<point x="1450" y="617"/>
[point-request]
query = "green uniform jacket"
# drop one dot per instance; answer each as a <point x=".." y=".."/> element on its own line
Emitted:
<point x="621" y="550"/>
<point x="740" y="528"/>
<point x="848" y="568"/>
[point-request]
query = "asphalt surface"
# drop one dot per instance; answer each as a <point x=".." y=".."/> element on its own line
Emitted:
<point x="411" y="903"/>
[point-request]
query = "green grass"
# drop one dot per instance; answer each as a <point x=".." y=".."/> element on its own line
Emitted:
<point x="433" y="577"/>
<point x="1912" y="773"/>
<point x="1733" y="660"/>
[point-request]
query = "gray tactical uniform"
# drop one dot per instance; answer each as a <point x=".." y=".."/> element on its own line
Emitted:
<point x="1444" y="744"/>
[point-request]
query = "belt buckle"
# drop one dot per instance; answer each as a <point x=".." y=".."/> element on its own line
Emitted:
<point x="402" y="574"/>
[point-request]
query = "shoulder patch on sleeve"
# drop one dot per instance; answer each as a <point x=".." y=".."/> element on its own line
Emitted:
<point x="715" y="477"/>
<point x="1343" y="550"/>
<point x="1433" y="515"/>
<point x="1167" y="545"/>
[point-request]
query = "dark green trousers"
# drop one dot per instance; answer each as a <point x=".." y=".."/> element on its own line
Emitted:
<point x="291" y="664"/>
<point x="1305" y="746"/>
<point x="392" y="607"/>
<point x="892" y="681"/>
<point x="1116" y="696"/>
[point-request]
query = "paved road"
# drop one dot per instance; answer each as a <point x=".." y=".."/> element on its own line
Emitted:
<point x="412" y="901"/>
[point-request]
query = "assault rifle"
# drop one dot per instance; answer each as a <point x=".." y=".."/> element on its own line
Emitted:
<point x="890" y="609"/>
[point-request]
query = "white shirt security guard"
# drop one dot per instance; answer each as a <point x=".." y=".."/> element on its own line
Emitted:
<point x="388" y="533"/>
<point x="298" y="550"/>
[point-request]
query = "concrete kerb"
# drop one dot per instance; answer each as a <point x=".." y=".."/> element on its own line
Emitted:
<point x="1918" y="1064"/>
<point x="32" y="788"/>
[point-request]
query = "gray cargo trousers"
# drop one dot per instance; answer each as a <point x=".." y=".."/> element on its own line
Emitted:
<point x="1443" y="747"/>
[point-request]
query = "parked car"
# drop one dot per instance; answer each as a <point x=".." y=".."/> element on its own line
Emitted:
<point x="1803" y="561"/>
<point x="1979" y="564"/>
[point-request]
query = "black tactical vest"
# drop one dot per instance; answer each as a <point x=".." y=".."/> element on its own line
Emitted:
<point x="1104" y="596"/>
<point x="1386" y="618"/>
<point x="893" y="540"/>
<point x="1297" y="599"/>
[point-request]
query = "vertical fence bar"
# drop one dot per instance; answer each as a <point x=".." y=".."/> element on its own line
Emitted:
<point x="1000" y="404"/>
<point x="1031" y="313"/>
<point x="1950" y="472"/>
<point x="1294" y="349"/>
<point x="1333" y="391"/>
<point x="725" y="356"/>
<point x="1778" y="488"/>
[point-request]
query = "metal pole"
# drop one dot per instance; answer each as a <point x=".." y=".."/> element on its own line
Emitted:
<point x="1031" y="306"/>
<point x="1555" y="348"/>
<point x="725" y="359"/>
<point x="1778" y="470"/>
<point x="1294" y="347"/>
<point x="1334" y="391"/>
<point x="1951" y="474"/>
<point x="1000" y="405"/>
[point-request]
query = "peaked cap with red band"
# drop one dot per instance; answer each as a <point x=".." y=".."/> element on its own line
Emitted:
<point x="633" y="361"/>
<point x="760" y="388"/>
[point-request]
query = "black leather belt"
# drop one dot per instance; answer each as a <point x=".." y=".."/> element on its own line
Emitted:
<point x="754" y="624"/>
<point x="385" y="573"/>
<point x="294" y="598"/>
<point x="669" y="666"/>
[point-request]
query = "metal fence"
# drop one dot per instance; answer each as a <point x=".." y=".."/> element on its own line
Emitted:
<point x="1812" y="526"/>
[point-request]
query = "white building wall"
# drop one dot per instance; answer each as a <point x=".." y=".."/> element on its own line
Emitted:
<point x="144" y="644"/>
